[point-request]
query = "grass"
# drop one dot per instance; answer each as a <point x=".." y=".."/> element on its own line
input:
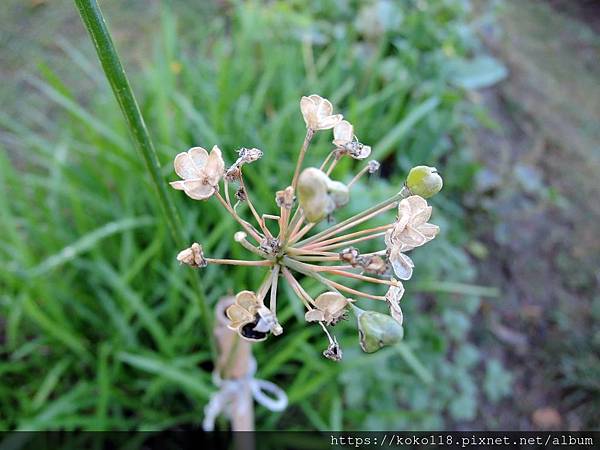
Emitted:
<point x="102" y="329"/>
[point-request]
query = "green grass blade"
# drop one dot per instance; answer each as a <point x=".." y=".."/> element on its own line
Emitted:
<point x="113" y="69"/>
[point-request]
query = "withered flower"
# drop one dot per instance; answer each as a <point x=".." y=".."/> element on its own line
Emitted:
<point x="200" y="171"/>
<point x="318" y="113"/>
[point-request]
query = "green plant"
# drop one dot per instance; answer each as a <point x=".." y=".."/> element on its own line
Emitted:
<point x="100" y="328"/>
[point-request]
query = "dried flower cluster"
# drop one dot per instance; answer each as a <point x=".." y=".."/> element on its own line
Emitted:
<point x="328" y="256"/>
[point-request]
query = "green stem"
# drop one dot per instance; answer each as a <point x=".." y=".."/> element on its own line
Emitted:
<point x="107" y="54"/>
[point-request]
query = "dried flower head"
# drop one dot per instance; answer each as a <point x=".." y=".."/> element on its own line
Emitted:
<point x="393" y="297"/>
<point x="318" y="113"/>
<point x="330" y="307"/>
<point x="411" y="229"/>
<point x="285" y="198"/>
<point x="245" y="156"/>
<point x="250" y="317"/>
<point x="346" y="142"/>
<point x="328" y="256"/>
<point x="192" y="256"/>
<point x="333" y="351"/>
<point x="200" y="172"/>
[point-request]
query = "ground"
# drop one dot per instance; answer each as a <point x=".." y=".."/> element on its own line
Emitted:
<point x="538" y="200"/>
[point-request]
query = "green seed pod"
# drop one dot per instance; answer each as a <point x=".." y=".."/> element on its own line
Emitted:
<point x="424" y="181"/>
<point x="376" y="330"/>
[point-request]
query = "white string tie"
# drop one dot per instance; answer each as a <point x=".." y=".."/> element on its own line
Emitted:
<point x="228" y="397"/>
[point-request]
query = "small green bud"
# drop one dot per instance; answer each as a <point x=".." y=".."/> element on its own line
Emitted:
<point x="424" y="181"/>
<point x="376" y="330"/>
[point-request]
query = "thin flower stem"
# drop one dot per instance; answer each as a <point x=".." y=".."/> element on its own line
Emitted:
<point x="317" y="268"/>
<point x="316" y="258"/>
<point x="226" y="186"/>
<point x="309" y="135"/>
<point x="296" y="222"/>
<point x="333" y="164"/>
<point x="248" y="246"/>
<point x="297" y="236"/>
<point x="331" y="284"/>
<point x="300" y="251"/>
<point x="294" y="285"/>
<point x="371" y="212"/>
<point x="261" y="223"/>
<point x="264" y="286"/>
<point x="249" y="228"/>
<point x="348" y="236"/>
<point x="283" y="222"/>
<point x="239" y="262"/>
<point x="358" y="221"/>
<point x="357" y="276"/>
<point x="331" y="153"/>
<point x="274" y="281"/>
<point x="329" y="337"/>
<point x="350" y="242"/>
<point x="358" y="176"/>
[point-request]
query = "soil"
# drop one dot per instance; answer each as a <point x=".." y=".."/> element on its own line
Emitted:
<point x="538" y="193"/>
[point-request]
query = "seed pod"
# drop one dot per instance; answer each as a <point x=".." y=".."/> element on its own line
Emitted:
<point x="376" y="330"/>
<point x="424" y="181"/>
<point x="338" y="192"/>
<point x="318" y="195"/>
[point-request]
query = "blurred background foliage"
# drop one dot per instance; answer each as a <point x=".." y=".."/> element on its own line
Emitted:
<point x="98" y="327"/>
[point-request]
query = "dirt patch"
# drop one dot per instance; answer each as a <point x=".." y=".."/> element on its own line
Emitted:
<point x="539" y="213"/>
<point x="586" y="11"/>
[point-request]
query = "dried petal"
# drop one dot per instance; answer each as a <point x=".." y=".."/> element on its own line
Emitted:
<point x="285" y="198"/>
<point x="200" y="171"/>
<point x="192" y="256"/>
<point x="251" y="318"/>
<point x="401" y="263"/>
<point x="393" y="296"/>
<point x="330" y="308"/>
<point x="333" y="351"/>
<point x="198" y="189"/>
<point x="317" y="113"/>
<point x="411" y="228"/>
<point x="343" y="133"/>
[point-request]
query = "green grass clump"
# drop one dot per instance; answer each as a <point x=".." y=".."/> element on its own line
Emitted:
<point x="100" y="328"/>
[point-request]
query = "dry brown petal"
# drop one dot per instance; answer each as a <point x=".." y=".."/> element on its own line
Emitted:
<point x="333" y="351"/>
<point x="393" y="296"/>
<point x="350" y="255"/>
<point x="192" y="256"/>
<point x="285" y="198"/>
<point x="373" y="264"/>
<point x="317" y="113"/>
